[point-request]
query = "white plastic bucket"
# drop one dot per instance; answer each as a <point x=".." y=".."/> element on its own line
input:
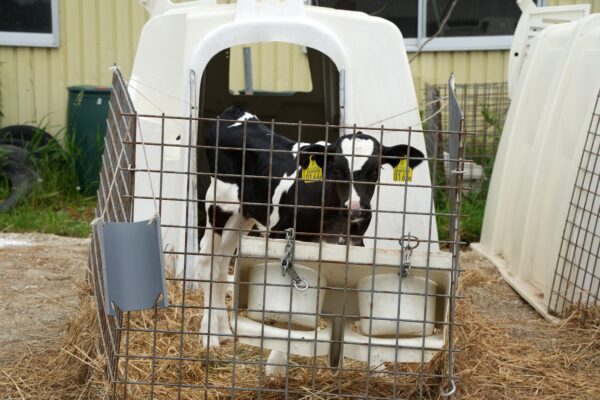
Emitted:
<point x="385" y="305"/>
<point x="277" y="299"/>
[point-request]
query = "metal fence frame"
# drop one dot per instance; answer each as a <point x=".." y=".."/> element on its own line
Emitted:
<point x="114" y="204"/>
<point x="576" y="282"/>
<point x="485" y="106"/>
<point x="116" y="201"/>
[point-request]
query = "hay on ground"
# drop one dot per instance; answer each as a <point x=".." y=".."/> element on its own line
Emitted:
<point x="561" y="362"/>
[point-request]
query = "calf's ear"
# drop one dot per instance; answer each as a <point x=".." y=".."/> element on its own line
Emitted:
<point x="392" y="155"/>
<point x="317" y="153"/>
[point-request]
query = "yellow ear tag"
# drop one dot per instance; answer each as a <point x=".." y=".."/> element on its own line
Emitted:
<point x="313" y="172"/>
<point x="400" y="171"/>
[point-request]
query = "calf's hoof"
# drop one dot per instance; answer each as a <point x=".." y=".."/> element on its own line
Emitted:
<point x="276" y="363"/>
<point x="211" y="341"/>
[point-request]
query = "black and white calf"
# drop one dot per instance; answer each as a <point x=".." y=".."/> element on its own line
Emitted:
<point x="240" y="195"/>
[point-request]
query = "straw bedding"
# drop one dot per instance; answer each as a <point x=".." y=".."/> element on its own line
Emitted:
<point x="495" y="362"/>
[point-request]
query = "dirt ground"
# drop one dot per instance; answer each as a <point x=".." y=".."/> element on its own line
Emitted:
<point x="494" y="299"/>
<point x="38" y="274"/>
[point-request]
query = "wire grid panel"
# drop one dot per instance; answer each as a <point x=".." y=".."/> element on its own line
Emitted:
<point x="577" y="276"/>
<point x="485" y="106"/>
<point x="115" y="203"/>
<point x="259" y="311"/>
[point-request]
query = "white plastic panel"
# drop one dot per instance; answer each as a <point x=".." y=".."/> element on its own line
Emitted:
<point x="567" y="126"/>
<point x="515" y="152"/>
<point x="533" y="20"/>
<point x="538" y="157"/>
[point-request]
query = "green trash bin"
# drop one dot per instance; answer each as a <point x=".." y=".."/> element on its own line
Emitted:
<point x="87" y="111"/>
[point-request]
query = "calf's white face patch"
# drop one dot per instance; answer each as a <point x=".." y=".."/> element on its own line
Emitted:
<point x="353" y="199"/>
<point x="358" y="153"/>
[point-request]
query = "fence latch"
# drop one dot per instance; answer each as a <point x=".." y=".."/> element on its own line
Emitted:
<point x="408" y="243"/>
<point x="287" y="262"/>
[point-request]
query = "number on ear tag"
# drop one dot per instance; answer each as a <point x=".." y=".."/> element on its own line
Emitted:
<point x="401" y="170"/>
<point x="313" y="172"/>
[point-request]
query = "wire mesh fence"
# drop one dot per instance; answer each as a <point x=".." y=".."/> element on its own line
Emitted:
<point x="319" y="273"/>
<point x="115" y="203"/>
<point x="485" y="106"/>
<point x="577" y="278"/>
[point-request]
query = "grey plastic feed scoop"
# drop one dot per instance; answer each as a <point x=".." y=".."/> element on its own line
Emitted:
<point x="133" y="265"/>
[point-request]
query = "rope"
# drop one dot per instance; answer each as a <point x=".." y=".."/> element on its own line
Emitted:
<point x="156" y="90"/>
<point x="147" y="166"/>
<point x="438" y="100"/>
<point x="442" y="108"/>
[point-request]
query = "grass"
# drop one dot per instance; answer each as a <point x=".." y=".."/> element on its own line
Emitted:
<point x="55" y="205"/>
<point x="473" y="202"/>
<point x="472" y="209"/>
<point x="59" y="217"/>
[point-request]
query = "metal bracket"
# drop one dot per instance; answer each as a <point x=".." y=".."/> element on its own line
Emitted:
<point x="449" y="392"/>
<point x="132" y="265"/>
<point x="287" y="262"/>
<point x="406" y="242"/>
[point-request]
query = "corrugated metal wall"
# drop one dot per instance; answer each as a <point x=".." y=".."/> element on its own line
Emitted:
<point x="595" y="3"/>
<point x="97" y="33"/>
<point x="468" y="67"/>
<point x="94" y="34"/>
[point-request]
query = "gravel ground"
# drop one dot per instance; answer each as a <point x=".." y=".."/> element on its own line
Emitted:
<point x="38" y="274"/>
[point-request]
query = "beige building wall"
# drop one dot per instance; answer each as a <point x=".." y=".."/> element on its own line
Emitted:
<point x="94" y="34"/>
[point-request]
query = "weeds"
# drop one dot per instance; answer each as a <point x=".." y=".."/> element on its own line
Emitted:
<point x="55" y="205"/>
<point x="471" y="216"/>
<point x="472" y="204"/>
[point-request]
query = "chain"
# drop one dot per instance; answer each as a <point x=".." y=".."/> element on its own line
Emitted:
<point x="449" y="392"/>
<point x="407" y="249"/>
<point x="287" y="262"/>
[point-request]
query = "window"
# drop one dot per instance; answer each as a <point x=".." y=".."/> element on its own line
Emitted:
<point x="253" y="69"/>
<point x="29" y="23"/>
<point x="473" y="24"/>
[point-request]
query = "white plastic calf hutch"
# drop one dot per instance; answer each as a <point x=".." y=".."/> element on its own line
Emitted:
<point x="375" y="88"/>
<point x="352" y="307"/>
<point x="539" y="157"/>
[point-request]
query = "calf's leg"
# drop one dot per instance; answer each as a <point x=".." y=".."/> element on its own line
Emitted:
<point x="208" y="271"/>
<point x="276" y="363"/>
<point x="234" y="229"/>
